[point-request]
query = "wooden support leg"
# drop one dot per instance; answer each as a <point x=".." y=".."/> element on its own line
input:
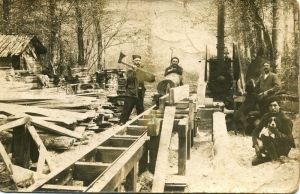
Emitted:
<point x="131" y="179"/>
<point x="21" y="146"/>
<point x="182" y="146"/>
<point x="188" y="143"/>
<point x="153" y="149"/>
<point x="143" y="163"/>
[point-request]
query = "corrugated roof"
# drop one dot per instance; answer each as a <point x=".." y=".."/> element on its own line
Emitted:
<point x="15" y="44"/>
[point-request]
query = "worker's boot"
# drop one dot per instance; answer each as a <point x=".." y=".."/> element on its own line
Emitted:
<point x="272" y="153"/>
<point x="258" y="158"/>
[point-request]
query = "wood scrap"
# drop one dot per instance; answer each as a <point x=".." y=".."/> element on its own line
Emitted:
<point x="54" y="128"/>
<point x="15" y="123"/>
<point x="43" y="156"/>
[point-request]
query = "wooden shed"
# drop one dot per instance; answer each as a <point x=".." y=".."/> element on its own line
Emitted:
<point x="21" y="52"/>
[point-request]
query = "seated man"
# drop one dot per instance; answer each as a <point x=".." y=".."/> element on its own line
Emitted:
<point x="174" y="68"/>
<point x="279" y="142"/>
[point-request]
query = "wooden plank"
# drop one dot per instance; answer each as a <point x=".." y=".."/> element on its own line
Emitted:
<point x="179" y="93"/>
<point x="15" y="123"/>
<point x="88" y="171"/>
<point x="182" y="105"/>
<point x="162" y="156"/>
<point x="154" y="127"/>
<point x="136" y="130"/>
<point x="54" y="128"/>
<point x="114" y="175"/>
<point x="126" y="136"/>
<point x="119" y="142"/>
<point x="107" y="133"/>
<point x="42" y="149"/>
<point x="182" y="146"/>
<point x="143" y="122"/>
<point x="62" y="188"/>
<point x="6" y="159"/>
<point x="108" y="154"/>
<point x="80" y="129"/>
<point x="162" y="102"/>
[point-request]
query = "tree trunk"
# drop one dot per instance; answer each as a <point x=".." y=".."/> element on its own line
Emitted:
<point x="99" y="43"/>
<point x="277" y="34"/>
<point x="6" y="15"/>
<point x="52" y="35"/>
<point x="6" y="9"/>
<point x="260" y="24"/>
<point x="79" y="34"/>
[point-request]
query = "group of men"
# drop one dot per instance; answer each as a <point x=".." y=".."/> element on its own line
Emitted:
<point x="268" y="147"/>
<point x="278" y="141"/>
<point x="135" y="88"/>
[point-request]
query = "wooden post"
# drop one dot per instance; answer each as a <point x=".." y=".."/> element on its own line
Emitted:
<point x="132" y="178"/>
<point x="182" y="146"/>
<point x="143" y="162"/>
<point x="153" y="149"/>
<point x="21" y="146"/>
<point x="162" y="102"/>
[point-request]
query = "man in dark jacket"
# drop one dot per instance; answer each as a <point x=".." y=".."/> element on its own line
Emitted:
<point x="266" y="85"/>
<point x="135" y="89"/>
<point x="281" y="140"/>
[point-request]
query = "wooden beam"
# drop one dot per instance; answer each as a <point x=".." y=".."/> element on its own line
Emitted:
<point x="61" y="169"/>
<point x="44" y="156"/>
<point x="136" y="130"/>
<point x="154" y="127"/>
<point x="182" y="146"/>
<point x="54" y="128"/>
<point x="162" y="156"/>
<point x="15" y="123"/>
<point x="88" y="171"/>
<point x="119" y="142"/>
<point x="21" y="146"/>
<point x="182" y="104"/>
<point x="6" y="159"/>
<point x="162" y="102"/>
<point x="113" y="177"/>
<point x="62" y="188"/>
<point x="108" y="154"/>
<point x="179" y="93"/>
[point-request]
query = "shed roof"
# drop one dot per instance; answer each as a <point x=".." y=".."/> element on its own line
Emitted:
<point x="15" y="44"/>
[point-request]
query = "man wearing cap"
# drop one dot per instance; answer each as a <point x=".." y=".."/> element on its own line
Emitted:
<point x="135" y="89"/>
<point x="174" y="67"/>
<point x="279" y="139"/>
<point x="266" y="85"/>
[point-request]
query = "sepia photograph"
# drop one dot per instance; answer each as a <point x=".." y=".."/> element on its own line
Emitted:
<point x="149" y="96"/>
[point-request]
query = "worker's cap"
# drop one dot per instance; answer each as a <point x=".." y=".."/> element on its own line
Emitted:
<point x="136" y="57"/>
<point x="175" y="58"/>
<point x="273" y="99"/>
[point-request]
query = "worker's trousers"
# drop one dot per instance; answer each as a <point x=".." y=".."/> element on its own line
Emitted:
<point x="129" y="104"/>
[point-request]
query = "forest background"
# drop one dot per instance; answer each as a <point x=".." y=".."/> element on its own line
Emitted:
<point x="92" y="33"/>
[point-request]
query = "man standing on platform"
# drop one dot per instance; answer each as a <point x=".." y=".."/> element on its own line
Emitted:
<point x="135" y="89"/>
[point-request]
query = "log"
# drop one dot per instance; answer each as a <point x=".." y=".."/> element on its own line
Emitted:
<point x="172" y="80"/>
<point x="57" y="142"/>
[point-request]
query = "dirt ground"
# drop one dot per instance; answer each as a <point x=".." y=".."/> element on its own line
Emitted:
<point x="236" y="174"/>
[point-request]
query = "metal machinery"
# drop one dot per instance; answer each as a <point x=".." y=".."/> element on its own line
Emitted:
<point x="222" y="72"/>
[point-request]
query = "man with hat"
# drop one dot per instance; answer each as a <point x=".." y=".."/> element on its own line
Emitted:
<point x="266" y="85"/>
<point x="174" y="68"/>
<point x="135" y="89"/>
<point x="279" y="139"/>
